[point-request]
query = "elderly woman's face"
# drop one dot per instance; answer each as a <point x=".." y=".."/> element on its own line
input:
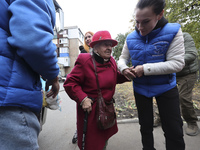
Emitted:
<point x="88" y="38"/>
<point x="104" y="49"/>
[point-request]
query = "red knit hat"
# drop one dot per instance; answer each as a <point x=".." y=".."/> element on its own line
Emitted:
<point x="102" y="36"/>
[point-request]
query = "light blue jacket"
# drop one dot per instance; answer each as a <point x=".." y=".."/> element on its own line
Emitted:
<point x="149" y="49"/>
<point x="26" y="51"/>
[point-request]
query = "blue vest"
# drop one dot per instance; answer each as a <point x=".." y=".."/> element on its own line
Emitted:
<point x="152" y="48"/>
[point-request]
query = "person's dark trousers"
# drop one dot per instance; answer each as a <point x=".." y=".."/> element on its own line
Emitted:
<point x="185" y="87"/>
<point x="168" y="106"/>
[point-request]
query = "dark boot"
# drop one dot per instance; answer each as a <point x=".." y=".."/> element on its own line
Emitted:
<point x="192" y="129"/>
<point x="75" y="138"/>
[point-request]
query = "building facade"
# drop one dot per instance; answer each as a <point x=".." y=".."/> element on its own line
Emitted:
<point x="68" y="41"/>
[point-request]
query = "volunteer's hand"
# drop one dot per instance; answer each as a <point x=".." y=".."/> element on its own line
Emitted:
<point x="128" y="73"/>
<point x="87" y="105"/>
<point x="138" y="70"/>
<point x="54" y="89"/>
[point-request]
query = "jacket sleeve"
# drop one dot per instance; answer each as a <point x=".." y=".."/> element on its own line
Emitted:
<point x="124" y="58"/>
<point x="74" y="81"/>
<point x="174" y="58"/>
<point x="190" y="49"/>
<point x="31" y="27"/>
<point x="120" y="77"/>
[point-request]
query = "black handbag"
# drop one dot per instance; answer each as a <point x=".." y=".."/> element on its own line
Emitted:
<point x="105" y="111"/>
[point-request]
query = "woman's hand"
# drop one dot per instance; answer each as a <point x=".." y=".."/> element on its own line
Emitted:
<point x="54" y="89"/>
<point x="138" y="71"/>
<point x="87" y="105"/>
<point x="128" y="73"/>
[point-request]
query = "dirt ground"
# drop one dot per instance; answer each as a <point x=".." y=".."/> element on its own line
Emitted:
<point x="125" y="102"/>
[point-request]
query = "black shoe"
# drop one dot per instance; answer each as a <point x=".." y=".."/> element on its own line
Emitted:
<point x="75" y="138"/>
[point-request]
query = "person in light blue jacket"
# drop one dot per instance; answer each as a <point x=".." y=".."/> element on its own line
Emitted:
<point x="26" y="52"/>
<point x="156" y="50"/>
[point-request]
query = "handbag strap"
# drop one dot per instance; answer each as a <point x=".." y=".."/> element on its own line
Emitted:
<point x="97" y="80"/>
<point x="95" y="71"/>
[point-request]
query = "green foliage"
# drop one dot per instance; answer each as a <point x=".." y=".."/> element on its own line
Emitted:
<point x="118" y="49"/>
<point x="187" y="13"/>
<point x="133" y="22"/>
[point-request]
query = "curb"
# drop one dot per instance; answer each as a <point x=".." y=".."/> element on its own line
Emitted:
<point x="122" y="121"/>
<point x="135" y="120"/>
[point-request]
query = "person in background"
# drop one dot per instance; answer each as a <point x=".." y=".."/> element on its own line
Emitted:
<point x="156" y="50"/>
<point x="186" y="79"/>
<point x="26" y="52"/>
<point x="87" y="41"/>
<point x="84" y="49"/>
<point x="81" y="86"/>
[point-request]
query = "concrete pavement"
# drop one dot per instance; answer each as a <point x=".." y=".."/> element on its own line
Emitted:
<point x="59" y="129"/>
<point x="129" y="138"/>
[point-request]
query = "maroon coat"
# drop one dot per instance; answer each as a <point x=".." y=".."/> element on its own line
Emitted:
<point x="81" y="82"/>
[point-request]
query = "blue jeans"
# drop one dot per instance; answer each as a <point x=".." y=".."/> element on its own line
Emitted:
<point x="19" y="129"/>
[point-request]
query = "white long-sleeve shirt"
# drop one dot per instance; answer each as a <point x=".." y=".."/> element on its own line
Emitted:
<point x="174" y="58"/>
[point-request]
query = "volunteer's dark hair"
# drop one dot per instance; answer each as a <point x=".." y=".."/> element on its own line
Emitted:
<point x="158" y="5"/>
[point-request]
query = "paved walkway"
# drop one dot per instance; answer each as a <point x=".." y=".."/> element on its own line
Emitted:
<point x="128" y="138"/>
<point x="60" y="126"/>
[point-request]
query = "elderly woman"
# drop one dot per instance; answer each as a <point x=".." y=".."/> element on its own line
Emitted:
<point x="84" y="49"/>
<point x="81" y="87"/>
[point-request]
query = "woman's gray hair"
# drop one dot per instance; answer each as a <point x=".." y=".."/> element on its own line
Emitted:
<point x="96" y="45"/>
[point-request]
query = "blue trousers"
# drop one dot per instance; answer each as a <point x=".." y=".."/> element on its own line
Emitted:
<point x="168" y="106"/>
<point x="19" y="129"/>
